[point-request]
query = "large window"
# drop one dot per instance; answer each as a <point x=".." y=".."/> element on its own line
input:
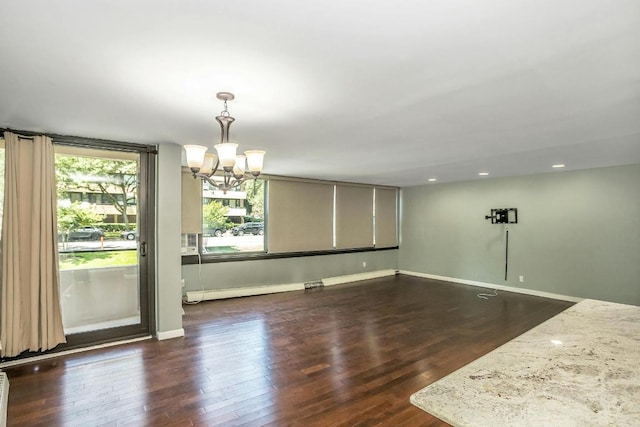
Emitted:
<point x="311" y="215"/>
<point x="233" y="222"/>
<point x="281" y="215"/>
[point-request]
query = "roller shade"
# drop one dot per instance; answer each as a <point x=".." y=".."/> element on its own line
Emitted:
<point x="386" y="217"/>
<point x="300" y="216"/>
<point x="191" y="204"/>
<point x="354" y="217"/>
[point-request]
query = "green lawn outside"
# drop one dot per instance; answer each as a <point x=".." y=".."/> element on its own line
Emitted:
<point x="75" y="260"/>
<point x="221" y="249"/>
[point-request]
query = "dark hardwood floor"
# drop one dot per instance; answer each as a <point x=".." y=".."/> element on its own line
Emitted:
<point x="344" y="355"/>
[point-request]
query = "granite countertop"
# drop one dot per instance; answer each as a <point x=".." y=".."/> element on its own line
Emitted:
<point x="579" y="368"/>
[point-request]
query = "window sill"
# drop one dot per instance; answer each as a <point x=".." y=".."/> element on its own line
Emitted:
<point x="251" y="256"/>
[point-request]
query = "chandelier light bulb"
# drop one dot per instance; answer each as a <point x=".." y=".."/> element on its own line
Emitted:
<point x="227" y="154"/>
<point x="195" y="156"/>
<point x="255" y="160"/>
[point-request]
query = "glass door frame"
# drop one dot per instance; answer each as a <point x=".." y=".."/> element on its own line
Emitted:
<point x="146" y="244"/>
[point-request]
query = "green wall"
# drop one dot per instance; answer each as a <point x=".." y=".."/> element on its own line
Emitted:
<point x="282" y="271"/>
<point x="578" y="232"/>
<point x="168" y="260"/>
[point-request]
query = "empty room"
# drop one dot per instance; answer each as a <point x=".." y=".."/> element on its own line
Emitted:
<point x="320" y="213"/>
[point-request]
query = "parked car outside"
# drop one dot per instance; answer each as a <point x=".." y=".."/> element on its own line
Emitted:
<point x="216" y="231"/>
<point x="255" y="228"/>
<point x="129" y="235"/>
<point x="85" y="233"/>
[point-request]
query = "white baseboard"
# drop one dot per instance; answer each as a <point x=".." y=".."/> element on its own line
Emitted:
<point x="211" y="294"/>
<point x="330" y="281"/>
<point x="494" y="286"/>
<point x="167" y="335"/>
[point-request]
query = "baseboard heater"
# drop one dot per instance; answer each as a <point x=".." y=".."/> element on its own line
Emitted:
<point x="213" y="294"/>
<point x="4" y="398"/>
<point x="330" y="281"/>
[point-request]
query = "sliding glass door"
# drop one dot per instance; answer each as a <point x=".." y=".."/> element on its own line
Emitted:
<point x="103" y="223"/>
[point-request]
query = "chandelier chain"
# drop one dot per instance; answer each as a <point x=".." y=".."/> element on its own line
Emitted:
<point x="225" y="112"/>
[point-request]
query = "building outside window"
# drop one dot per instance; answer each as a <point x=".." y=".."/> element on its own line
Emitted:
<point x="233" y="222"/>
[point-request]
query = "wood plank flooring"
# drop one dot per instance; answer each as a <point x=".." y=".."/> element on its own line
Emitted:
<point x="340" y="356"/>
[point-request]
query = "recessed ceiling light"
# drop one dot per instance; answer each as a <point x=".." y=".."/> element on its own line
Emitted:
<point x="483" y="173"/>
<point x="558" y="165"/>
<point x="432" y="180"/>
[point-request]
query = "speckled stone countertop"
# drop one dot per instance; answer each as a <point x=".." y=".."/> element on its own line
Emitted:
<point x="579" y="368"/>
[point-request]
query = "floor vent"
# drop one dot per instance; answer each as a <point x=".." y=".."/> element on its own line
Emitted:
<point x="313" y="285"/>
<point x="4" y="398"/>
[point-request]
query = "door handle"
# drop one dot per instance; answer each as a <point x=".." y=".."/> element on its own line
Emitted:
<point x="143" y="248"/>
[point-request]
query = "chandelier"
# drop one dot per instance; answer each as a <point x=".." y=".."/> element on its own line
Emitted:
<point x="205" y="165"/>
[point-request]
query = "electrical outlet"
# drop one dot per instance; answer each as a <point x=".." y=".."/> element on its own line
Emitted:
<point x="364" y="264"/>
<point x="521" y="279"/>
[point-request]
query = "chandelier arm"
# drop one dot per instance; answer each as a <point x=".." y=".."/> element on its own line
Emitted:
<point x="209" y="180"/>
<point x="230" y="182"/>
<point x="227" y="182"/>
<point x="215" y="168"/>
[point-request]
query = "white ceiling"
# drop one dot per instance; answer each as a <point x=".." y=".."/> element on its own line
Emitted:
<point x="367" y="91"/>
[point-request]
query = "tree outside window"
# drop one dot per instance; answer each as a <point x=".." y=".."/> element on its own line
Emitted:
<point x="75" y="215"/>
<point x="115" y="181"/>
<point x="234" y="221"/>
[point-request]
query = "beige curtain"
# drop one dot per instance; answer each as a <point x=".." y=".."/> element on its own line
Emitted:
<point x="30" y="316"/>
